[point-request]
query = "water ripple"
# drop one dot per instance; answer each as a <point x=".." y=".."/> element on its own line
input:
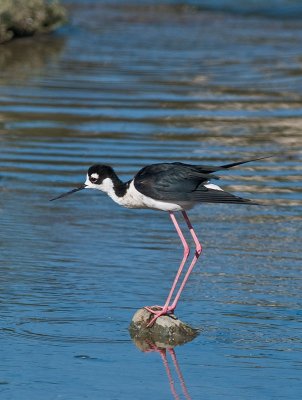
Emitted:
<point x="128" y="85"/>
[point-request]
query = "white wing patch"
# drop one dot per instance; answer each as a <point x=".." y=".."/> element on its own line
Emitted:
<point x="212" y="186"/>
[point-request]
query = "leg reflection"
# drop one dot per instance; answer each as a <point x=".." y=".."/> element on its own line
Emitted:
<point x="163" y="353"/>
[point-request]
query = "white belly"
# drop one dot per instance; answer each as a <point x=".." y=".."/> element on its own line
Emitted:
<point x="135" y="199"/>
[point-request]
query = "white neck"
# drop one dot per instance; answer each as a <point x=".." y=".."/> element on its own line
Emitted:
<point x="106" y="186"/>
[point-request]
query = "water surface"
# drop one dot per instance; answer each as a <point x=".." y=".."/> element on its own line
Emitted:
<point x="130" y="84"/>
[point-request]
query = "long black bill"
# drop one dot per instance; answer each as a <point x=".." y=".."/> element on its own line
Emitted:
<point x="70" y="192"/>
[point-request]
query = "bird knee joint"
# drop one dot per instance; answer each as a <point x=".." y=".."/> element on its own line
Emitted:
<point x="186" y="251"/>
<point x="198" y="249"/>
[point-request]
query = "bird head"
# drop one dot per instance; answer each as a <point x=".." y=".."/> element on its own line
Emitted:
<point x="96" y="178"/>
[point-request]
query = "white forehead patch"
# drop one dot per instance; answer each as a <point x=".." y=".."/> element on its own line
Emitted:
<point x="95" y="175"/>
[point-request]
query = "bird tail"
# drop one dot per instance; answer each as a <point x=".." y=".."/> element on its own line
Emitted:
<point x="209" y="169"/>
<point x="227" y="166"/>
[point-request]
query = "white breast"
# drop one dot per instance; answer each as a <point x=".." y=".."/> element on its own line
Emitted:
<point x="134" y="199"/>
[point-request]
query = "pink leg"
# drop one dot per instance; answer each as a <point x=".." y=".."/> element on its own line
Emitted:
<point x="163" y="310"/>
<point x="166" y="308"/>
<point x="185" y="257"/>
<point x="198" y="250"/>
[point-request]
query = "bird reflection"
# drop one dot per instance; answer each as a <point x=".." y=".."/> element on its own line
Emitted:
<point x="147" y="346"/>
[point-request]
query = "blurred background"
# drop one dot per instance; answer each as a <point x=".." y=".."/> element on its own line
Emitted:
<point x="128" y="83"/>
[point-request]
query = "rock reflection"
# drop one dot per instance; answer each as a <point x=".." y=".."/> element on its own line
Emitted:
<point x="20" y="58"/>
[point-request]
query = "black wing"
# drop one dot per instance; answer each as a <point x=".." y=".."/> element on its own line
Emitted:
<point x="206" y="195"/>
<point x="160" y="181"/>
<point x="177" y="182"/>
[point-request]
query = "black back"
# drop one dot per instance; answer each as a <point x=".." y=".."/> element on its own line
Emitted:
<point x="178" y="182"/>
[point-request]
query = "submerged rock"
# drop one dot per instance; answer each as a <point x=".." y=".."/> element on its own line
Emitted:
<point x="167" y="330"/>
<point x="26" y="18"/>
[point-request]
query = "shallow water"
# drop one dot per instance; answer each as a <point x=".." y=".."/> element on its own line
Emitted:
<point x="130" y="84"/>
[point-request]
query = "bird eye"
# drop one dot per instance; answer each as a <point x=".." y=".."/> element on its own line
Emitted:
<point x="94" y="177"/>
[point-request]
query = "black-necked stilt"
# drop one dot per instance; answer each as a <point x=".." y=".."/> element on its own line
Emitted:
<point x="167" y="187"/>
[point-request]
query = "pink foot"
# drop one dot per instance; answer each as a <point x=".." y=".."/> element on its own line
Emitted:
<point x="158" y="311"/>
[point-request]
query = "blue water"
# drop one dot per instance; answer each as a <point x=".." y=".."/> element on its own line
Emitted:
<point x="130" y="84"/>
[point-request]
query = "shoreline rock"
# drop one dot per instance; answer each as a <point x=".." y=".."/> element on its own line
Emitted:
<point x="167" y="330"/>
<point x="27" y="18"/>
